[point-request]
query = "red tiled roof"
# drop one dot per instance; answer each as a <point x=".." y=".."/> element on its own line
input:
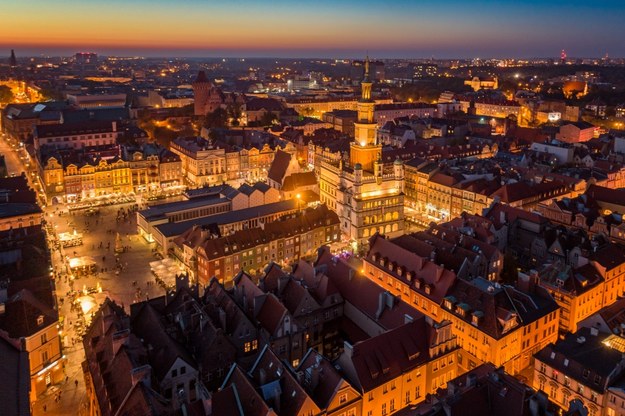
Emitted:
<point x="279" y="166"/>
<point x="385" y="357"/>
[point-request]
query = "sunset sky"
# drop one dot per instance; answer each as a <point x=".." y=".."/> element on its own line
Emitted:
<point x="322" y="28"/>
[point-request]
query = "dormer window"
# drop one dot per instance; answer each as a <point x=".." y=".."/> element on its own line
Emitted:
<point x="476" y="317"/>
<point x="428" y="289"/>
<point x="40" y="320"/>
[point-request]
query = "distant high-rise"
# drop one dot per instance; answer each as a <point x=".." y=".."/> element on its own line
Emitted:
<point x="12" y="59"/>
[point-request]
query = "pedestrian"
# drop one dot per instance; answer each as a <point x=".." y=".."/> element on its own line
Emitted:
<point x="76" y="383"/>
<point x="45" y="408"/>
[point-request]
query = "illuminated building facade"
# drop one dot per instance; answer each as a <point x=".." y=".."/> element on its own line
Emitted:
<point x="500" y="324"/>
<point x="367" y="195"/>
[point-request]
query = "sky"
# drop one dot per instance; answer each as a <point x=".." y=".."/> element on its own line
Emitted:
<point x="312" y="29"/>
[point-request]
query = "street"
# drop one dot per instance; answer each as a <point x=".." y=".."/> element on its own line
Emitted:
<point x="124" y="277"/>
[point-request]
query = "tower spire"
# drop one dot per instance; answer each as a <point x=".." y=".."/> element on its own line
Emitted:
<point x="12" y="59"/>
<point x="366" y="78"/>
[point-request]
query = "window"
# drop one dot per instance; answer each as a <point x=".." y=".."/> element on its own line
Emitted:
<point x="407" y="397"/>
<point x="183" y="370"/>
<point x="392" y="405"/>
<point x="44" y="357"/>
<point x="342" y="398"/>
<point x="174" y="373"/>
<point x="384" y="409"/>
<point x="44" y="338"/>
<point x="370" y="395"/>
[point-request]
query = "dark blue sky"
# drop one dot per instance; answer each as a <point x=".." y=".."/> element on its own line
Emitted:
<point x="324" y="28"/>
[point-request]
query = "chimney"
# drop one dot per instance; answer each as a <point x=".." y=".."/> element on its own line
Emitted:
<point x="471" y="380"/>
<point x="258" y="303"/>
<point x="381" y="304"/>
<point x="451" y="388"/>
<point x="119" y="339"/>
<point x="538" y="403"/>
<point x="262" y="377"/>
<point x="276" y="398"/>
<point x="141" y="373"/>
<point x="348" y="349"/>
<point x="222" y="319"/>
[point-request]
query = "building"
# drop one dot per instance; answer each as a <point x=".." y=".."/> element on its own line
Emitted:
<point x="170" y="99"/>
<point x="389" y="112"/>
<point x="585" y="282"/>
<point x="209" y="162"/>
<point x="76" y="135"/>
<point x="341" y="120"/>
<point x="283" y="241"/>
<point x="485" y="390"/>
<point x="208" y="97"/>
<point x="32" y="325"/>
<point x="576" y="132"/>
<point x="366" y="195"/>
<point x="14" y="395"/>
<point x="19" y="120"/>
<point x="317" y="106"/>
<point x="490" y="107"/>
<point x="585" y="366"/>
<point x="359" y="68"/>
<point x="204" y="202"/>
<point x="424" y="70"/>
<point x="224" y="223"/>
<point x="399" y="367"/>
<point x="95" y="101"/>
<point x="73" y="174"/>
<point x="488" y="319"/>
<point x="478" y="83"/>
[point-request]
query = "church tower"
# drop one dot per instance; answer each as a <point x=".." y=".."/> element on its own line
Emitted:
<point x="365" y="149"/>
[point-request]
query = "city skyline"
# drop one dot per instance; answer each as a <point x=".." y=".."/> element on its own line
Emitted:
<point x="402" y="29"/>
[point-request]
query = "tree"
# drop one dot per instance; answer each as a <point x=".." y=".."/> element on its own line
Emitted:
<point x="268" y="118"/>
<point x="234" y="113"/>
<point x="6" y="95"/>
<point x="216" y="119"/>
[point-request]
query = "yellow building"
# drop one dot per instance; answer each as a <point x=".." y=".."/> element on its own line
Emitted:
<point x="583" y="291"/>
<point x="400" y="367"/>
<point x="33" y="327"/>
<point x="367" y="195"/>
<point x="85" y="180"/>
<point x="499" y="324"/>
